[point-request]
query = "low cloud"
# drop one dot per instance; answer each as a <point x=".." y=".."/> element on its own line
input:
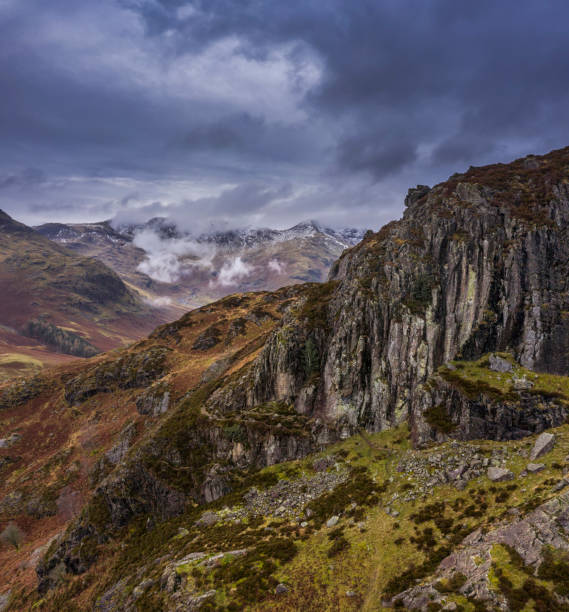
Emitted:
<point x="277" y="266"/>
<point x="232" y="272"/>
<point x="159" y="302"/>
<point x="232" y="208"/>
<point x="168" y="260"/>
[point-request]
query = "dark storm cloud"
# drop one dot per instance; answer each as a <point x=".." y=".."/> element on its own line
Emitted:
<point x="491" y="69"/>
<point x="249" y="137"/>
<point x="177" y="101"/>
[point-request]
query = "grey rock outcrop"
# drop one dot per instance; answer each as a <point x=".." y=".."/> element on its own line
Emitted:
<point x="499" y="364"/>
<point x="154" y="401"/>
<point x="543" y="445"/>
<point x="496" y="474"/>
<point x="5" y="600"/>
<point x="21" y="391"/>
<point x="534" y="468"/>
<point x="485" y="417"/>
<point x="130" y="371"/>
<point x="154" y="470"/>
<point x="528" y="537"/>
<point x="118" y="452"/>
<point x="195" y="603"/>
<point x="464" y="273"/>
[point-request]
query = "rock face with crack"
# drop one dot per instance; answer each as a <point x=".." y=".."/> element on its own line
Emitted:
<point x="462" y="274"/>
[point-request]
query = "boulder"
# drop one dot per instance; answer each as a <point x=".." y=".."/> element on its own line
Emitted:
<point x="11" y="439"/>
<point x="139" y="590"/>
<point x="534" y="468"/>
<point x="497" y="474"/>
<point x="323" y="463"/>
<point x="217" y="559"/>
<point x="332" y="521"/>
<point x="498" y="364"/>
<point x="208" y="518"/>
<point x="281" y="589"/>
<point x="195" y="603"/>
<point x="543" y="445"/>
<point x="195" y="556"/>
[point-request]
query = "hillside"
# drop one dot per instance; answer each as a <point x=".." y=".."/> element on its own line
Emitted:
<point x="366" y="443"/>
<point x="169" y="266"/>
<point x="56" y="304"/>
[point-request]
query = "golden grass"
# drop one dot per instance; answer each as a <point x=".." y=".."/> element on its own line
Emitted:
<point x="18" y="364"/>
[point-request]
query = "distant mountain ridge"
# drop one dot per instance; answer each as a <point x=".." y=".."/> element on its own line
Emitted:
<point x="244" y="238"/>
<point x="173" y="268"/>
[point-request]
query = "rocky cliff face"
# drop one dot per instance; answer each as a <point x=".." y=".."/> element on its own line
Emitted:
<point x="478" y="263"/>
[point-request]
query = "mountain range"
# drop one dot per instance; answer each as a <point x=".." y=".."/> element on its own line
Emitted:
<point x="395" y="437"/>
<point x="169" y="266"/>
<point x="75" y="290"/>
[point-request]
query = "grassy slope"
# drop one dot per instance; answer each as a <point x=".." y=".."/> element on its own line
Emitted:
<point x="380" y="547"/>
<point x="473" y="377"/>
<point x="60" y="445"/>
<point x="40" y="279"/>
<point x="379" y="550"/>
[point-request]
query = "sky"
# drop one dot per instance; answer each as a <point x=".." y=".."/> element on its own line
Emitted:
<point x="266" y="113"/>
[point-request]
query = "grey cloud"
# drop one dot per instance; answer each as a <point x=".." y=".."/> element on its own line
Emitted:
<point x="378" y="94"/>
<point x="250" y="137"/>
<point x="27" y="177"/>
<point x="232" y="208"/>
<point x="478" y="61"/>
<point x="370" y="154"/>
